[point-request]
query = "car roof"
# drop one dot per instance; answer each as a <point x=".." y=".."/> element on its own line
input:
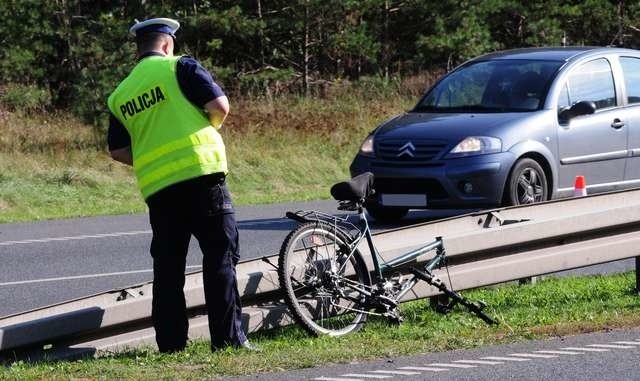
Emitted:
<point x="551" y="53"/>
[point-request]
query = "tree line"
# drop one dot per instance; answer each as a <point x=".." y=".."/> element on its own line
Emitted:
<point x="69" y="54"/>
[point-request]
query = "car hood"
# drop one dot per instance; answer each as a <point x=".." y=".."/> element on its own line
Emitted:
<point x="447" y="127"/>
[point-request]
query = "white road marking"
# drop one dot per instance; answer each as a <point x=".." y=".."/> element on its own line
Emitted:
<point x="376" y="376"/>
<point x="610" y="346"/>
<point x="425" y="368"/>
<point x="75" y="238"/>
<point x="627" y="342"/>
<point x="479" y="362"/>
<point x="533" y="355"/>
<point x="399" y="372"/>
<point x="490" y="360"/>
<point x="560" y="352"/>
<point x="504" y="358"/>
<point x="117" y="234"/>
<point x="82" y="277"/>
<point x="337" y="379"/>
<point x="454" y="365"/>
<point x="586" y="349"/>
<point x="494" y="360"/>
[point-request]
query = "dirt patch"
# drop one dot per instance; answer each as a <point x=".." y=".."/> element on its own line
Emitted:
<point x="3" y="204"/>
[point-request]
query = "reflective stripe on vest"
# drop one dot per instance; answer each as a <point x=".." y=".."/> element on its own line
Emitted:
<point x="171" y="139"/>
<point x="201" y="149"/>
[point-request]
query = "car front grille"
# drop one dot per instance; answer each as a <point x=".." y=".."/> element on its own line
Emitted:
<point x="409" y="151"/>
<point x="431" y="187"/>
<point x="405" y="164"/>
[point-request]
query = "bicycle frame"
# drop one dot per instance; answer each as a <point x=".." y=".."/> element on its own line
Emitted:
<point x="365" y="232"/>
<point x="396" y="262"/>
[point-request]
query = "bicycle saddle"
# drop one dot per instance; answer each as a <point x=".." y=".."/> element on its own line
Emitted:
<point x="356" y="189"/>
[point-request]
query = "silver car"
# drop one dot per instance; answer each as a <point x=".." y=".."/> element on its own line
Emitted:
<point x="510" y="128"/>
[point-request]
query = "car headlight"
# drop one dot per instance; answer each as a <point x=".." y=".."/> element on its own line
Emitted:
<point x="366" y="149"/>
<point x="475" y="145"/>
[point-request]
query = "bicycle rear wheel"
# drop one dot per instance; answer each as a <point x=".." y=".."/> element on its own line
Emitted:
<point x="323" y="281"/>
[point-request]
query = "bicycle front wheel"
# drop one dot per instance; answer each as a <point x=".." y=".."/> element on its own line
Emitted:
<point x="324" y="281"/>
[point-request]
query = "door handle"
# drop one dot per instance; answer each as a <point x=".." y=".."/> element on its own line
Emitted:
<point x="617" y="124"/>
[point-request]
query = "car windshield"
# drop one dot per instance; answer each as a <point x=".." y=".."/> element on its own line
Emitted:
<point x="492" y="86"/>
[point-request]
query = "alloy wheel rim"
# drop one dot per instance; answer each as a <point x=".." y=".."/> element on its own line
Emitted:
<point x="529" y="188"/>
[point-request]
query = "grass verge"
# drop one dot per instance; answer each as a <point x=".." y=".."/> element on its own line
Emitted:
<point x="289" y="149"/>
<point x="552" y="307"/>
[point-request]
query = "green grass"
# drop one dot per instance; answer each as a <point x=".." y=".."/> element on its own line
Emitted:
<point x="551" y="307"/>
<point x="290" y="149"/>
<point x="35" y="187"/>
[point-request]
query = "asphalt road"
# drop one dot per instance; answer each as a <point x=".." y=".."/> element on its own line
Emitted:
<point x="603" y="356"/>
<point x="53" y="261"/>
<point x="49" y="262"/>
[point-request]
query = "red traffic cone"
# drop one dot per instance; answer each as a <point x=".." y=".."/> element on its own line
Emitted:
<point x="580" y="187"/>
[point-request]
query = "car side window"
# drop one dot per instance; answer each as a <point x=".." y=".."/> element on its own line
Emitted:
<point x="593" y="81"/>
<point x="563" y="98"/>
<point x="631" y="71"/>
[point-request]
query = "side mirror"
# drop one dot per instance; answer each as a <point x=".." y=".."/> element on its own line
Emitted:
<point x="577" y="109"/>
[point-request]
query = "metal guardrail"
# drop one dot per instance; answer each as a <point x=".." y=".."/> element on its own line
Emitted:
<point x="483" y="249"/>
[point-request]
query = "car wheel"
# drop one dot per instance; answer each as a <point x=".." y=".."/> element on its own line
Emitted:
<point x="527" y="184"/>
<point x="387" y="215"/>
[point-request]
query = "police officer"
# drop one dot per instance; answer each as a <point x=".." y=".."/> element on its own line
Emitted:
<point x="164" y="122"/>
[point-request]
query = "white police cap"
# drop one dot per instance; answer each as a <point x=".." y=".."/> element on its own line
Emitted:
<point x="158" y="25"/>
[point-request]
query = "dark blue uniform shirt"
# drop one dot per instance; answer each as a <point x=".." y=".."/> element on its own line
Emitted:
<point x="196" y="83"/>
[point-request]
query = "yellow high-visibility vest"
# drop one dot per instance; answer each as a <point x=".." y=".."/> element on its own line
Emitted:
<point x="171" y="139"/>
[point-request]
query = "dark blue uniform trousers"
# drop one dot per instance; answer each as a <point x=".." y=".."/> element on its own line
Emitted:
<point x="200" y="207"/>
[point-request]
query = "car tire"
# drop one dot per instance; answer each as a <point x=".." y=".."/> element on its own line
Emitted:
<point x="527" y="184"/>
<point x="386" y="214"/>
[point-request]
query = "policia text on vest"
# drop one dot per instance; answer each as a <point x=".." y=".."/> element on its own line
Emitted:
<point x="142" y="102"/>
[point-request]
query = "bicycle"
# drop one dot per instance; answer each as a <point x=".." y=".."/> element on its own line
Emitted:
<point x="328" y="288"/>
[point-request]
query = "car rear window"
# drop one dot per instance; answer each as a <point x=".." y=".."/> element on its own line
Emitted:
<point x="631" y="70"/>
